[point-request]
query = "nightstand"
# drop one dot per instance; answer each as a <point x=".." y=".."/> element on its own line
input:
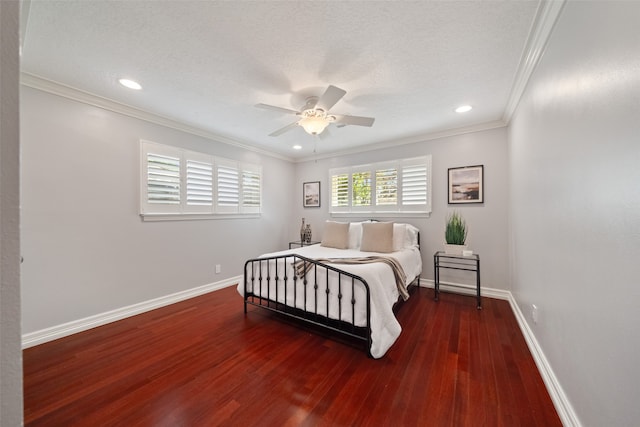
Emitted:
<point x="456" y="262"/>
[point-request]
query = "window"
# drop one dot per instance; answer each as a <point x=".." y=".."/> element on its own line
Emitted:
<point x="361" y="186"/>
<point x="395" y="187"/>
<point x="187" y="184"/>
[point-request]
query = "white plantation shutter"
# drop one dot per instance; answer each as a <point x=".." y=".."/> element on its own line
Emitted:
<point x="160" y="183"/>
<point x="339" y="190"/>
<point x="251" y="186"/>
<point x="387" y="187"/>
<point x="199" y="184"/>
<point x="415" y="185"/>
<point x="163" y="179"/>
<point x="175" y="182"/>
<point x="228" y="187"/>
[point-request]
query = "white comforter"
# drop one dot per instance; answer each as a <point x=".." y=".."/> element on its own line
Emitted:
<point x="385" y="328"/>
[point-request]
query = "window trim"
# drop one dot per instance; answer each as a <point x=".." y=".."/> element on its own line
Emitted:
<point x="397" y="210"/>
<point x="186" y="211"/>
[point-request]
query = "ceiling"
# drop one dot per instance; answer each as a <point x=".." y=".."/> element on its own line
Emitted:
<point x="206" y="64"/>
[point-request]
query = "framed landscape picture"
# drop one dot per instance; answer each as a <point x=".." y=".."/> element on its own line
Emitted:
<point x="311" y="194"/>
<point x="466" y="184"/>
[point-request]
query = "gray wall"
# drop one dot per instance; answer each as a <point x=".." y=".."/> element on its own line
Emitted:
<point x="10" y="348"/>
<point x="87" y="251"/>
<point x="487" y="222"/>
<point x="574" y="156"/>
<point x="85" y="247"/>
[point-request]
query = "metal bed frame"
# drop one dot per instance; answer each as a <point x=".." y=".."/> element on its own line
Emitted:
<point x="262" y="273"/>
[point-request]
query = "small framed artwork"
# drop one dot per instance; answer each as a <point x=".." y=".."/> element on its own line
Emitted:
<point x="311" y="194"/>
<point x="466" y="184"/>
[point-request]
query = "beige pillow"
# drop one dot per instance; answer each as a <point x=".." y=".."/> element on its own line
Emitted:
<point x="336" y="235"/>
<point x="377" y="237"/>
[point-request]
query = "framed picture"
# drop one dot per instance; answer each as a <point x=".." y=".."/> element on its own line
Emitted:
<point x="466" y="184"/>
<point x="311" y="194"/>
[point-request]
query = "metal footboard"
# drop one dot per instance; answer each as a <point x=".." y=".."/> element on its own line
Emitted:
<point x="272" y="283"/>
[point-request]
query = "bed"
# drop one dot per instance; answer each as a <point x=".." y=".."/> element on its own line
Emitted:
<point x="348" y="284"/>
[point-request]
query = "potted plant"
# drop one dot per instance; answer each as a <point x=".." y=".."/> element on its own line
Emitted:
<point x="455" y="234"/>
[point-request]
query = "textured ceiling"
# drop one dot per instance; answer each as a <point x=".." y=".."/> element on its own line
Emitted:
<point x="206" y="64"/>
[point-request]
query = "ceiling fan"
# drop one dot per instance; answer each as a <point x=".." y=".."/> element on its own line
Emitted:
<point x="315" y="117"/>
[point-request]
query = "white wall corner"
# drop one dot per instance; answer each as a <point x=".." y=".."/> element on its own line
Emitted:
<point x="49" y="334"/>
<point x="542" y="26"/>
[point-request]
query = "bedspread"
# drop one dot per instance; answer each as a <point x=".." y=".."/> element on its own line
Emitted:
<point x="380" y="277"/>
<point x="302" y="268"/>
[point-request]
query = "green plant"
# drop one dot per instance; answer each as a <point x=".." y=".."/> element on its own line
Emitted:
<point x="456" y="231"/>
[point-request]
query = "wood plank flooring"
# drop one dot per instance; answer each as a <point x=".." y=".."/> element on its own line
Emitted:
<point x="202" y="362"/>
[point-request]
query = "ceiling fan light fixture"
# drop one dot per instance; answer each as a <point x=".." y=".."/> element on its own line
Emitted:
<point x="314" y="121"/>
<point x="313" y="125"/>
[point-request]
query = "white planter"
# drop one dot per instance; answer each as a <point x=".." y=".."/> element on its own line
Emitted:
<point x="454" y="249"/>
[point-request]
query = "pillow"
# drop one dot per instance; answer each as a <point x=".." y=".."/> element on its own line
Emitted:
<point x="355" y="235"/>
<point x="336" y="235"/>
<point x="399" y="237"/>
<point x="377" y="237"/>
<point x="412" y="236"/>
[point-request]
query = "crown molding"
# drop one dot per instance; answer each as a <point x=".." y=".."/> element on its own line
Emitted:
<point x="541" y="29"/>
<point x="50" y="86"/>
<point x="408" y="140"/>
<point x="45" y="85"/>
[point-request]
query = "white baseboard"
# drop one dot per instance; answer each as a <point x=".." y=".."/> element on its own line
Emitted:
<point x="49" y="334"/>
<point x="459" y="288"/>
<point x="563" y="406"/>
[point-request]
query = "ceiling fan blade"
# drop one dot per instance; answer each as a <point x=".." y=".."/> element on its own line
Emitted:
<point x="330" y="97"/>
<point x="273" y="107"/>
<point x="354" y="120"/>
<point x="284" y="129"/>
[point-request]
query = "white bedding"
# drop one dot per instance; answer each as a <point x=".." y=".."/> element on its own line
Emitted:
<point x="385" y="328"/>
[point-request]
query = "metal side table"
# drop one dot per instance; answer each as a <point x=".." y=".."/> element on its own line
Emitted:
<point x="456" y="262"/>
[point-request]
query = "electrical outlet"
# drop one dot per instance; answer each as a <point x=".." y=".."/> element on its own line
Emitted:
<point x="534" y="313"/>
<point x="218" y="269"/>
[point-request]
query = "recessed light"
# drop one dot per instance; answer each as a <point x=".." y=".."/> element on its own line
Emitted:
<point x="130" y="84"/>
<point x="297" y="147"/>
<point x="463" y="109"/>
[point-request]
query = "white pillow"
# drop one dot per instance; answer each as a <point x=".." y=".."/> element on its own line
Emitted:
<point x="336" y="235"/>
<point x="411" y="236"/>
<point x="399" y="236"/>
<point x="355" y="235"/>
<point x="404" y="236"/>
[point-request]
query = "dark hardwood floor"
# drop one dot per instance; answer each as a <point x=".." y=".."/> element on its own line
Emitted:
<point x="202" y="362"/>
